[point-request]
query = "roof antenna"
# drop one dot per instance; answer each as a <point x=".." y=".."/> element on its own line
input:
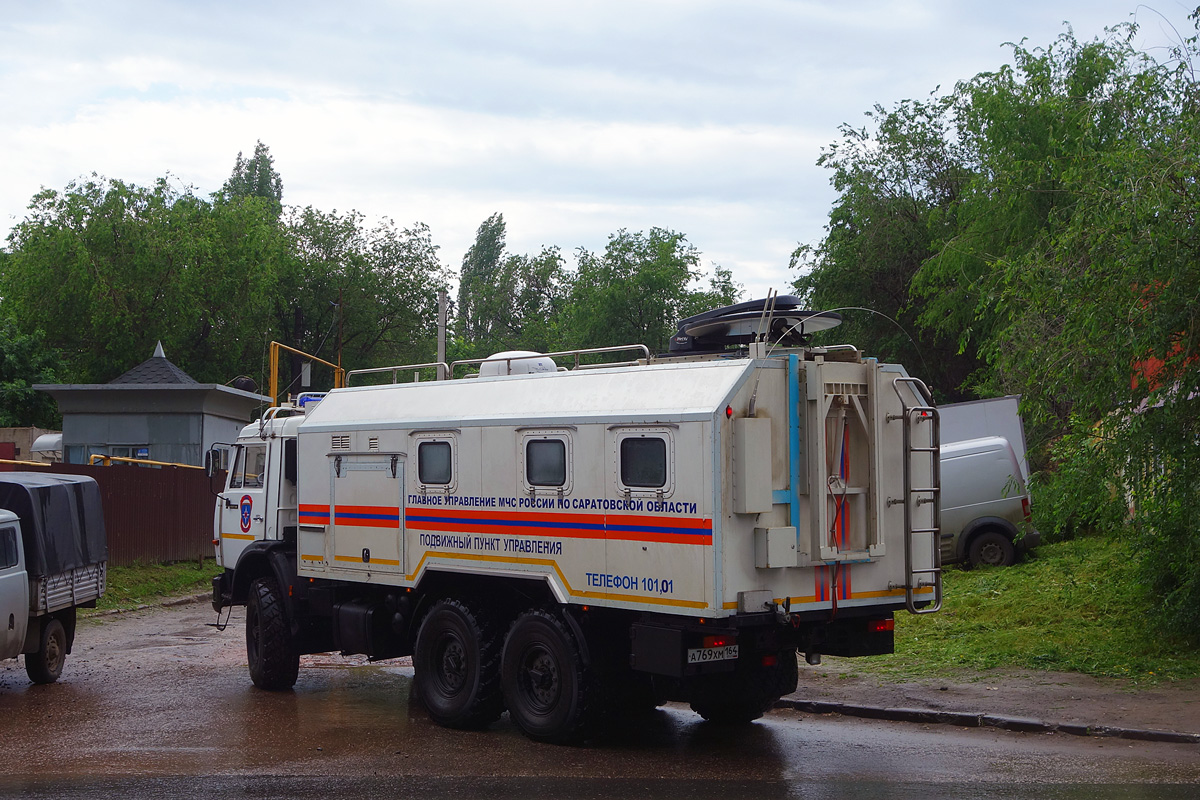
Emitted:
<point x="768" y="311"/>
<point x="764" y="325"/>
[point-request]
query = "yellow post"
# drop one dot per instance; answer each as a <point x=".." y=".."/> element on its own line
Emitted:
<point x="339" y="374"/>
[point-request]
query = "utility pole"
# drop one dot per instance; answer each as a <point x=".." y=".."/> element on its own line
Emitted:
<point x="340" y="318"/>
<point x="441" y="341"/>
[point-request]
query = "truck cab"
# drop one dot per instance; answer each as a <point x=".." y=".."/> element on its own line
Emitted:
<point x="258" y="501"/>
<point x="14" y="587"/>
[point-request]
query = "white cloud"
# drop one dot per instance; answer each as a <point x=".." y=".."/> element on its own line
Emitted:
<point x="574" y="120"/>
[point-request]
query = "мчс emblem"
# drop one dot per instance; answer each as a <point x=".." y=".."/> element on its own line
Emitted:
<point x="246" y="504"/>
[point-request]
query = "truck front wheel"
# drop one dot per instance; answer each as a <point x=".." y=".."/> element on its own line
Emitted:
<point x="550" y="692"/>
<point x="457" y="666"/>
<point x="46" y="664"/>
<point x="272" y="655"/>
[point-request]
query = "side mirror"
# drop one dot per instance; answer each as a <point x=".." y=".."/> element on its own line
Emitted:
<point x="211" y="460"/>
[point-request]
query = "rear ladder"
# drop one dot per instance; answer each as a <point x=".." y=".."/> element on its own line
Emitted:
<point x="916" y="496"/>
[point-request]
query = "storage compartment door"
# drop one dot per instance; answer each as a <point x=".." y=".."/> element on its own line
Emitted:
<point x="367" y="524"/>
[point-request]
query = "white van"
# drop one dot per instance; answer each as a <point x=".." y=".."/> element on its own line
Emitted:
<point x="985" y="505"/>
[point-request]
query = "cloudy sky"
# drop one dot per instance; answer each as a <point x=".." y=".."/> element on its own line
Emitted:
<point x="573" y="118"/>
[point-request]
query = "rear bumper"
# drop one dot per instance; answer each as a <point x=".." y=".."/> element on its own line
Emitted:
<point x="663" y="647"/>
<point x="1029" y="541"/>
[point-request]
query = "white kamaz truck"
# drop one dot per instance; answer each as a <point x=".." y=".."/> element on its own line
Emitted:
<point x="574" y="543"/>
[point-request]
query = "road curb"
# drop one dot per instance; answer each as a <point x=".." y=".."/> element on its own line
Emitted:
<point x="176" y="601"/>
<point x="189" y="600"/>
<point x="969" y="719"/>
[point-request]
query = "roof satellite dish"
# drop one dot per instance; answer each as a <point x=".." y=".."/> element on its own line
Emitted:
<point x="740" y="324"/>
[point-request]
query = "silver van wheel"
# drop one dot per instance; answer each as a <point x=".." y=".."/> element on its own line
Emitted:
<point x="992" y="549"/>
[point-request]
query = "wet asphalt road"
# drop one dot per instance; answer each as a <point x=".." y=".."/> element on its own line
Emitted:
<point x="157" y="704"/>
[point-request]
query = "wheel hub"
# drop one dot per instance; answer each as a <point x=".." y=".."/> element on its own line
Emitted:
<point x="541" y="673"/>
<point x="54" y="653"/>
<point x="452" y="674"/>
<point x="991" y="554"/>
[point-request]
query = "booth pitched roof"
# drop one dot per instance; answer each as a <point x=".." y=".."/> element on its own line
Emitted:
<point x="155" y="370"/>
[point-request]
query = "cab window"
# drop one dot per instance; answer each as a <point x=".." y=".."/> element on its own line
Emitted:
<point x="249" y="467"/>
<point x="235" y="474"/>
<point x="8" y="547"/>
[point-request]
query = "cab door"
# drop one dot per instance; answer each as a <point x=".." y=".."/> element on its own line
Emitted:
<point x="14" y="593"/>
<point x="243" y="504"/>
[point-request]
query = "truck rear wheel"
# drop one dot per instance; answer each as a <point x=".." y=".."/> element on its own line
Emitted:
<point x="46" y="664"/>
<point x="457" y="664"/>
<point x="744" y="695"/>
<point x="550" y="692"/>
<point x="272" y="655"/>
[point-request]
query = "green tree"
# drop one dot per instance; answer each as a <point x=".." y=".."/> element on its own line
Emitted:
<point x="480" y="307"/>
<point x="899" y="184"/>
<point x="636" y="291"/>
<point x="256" y="177"/>
<point x="106" y="269"/>
<point x="365" y="297"/>
<point x="530" y="296"/>
<point x="1068" y="260"/>
<point x="1100" y="313"/>
<point x="24" y="361"/>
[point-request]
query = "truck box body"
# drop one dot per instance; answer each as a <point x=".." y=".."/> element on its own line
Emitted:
<point x="752" y="511"/>
<point x="62" y="529"/>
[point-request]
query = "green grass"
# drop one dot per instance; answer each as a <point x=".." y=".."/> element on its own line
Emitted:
<point x="1075" y="606"/>
<point x="147" y="584"/>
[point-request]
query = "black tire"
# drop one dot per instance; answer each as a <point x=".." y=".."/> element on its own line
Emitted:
<point x="271" y="652"/>
<point x="46" y="665"/>
<point x="744" y="695"/>
<point x="457" y="666"/>
<point x="550" y="692"/>
<point x="992" y="549"/>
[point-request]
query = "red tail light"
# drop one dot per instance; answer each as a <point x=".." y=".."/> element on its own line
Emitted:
<point x="718" y="641"/>
<point x="1025" y="507"/>
<point x="881" y="625"/>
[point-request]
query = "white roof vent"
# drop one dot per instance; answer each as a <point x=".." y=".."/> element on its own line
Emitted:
<point x="516" y="362"/>
<point x="47" y="443"/>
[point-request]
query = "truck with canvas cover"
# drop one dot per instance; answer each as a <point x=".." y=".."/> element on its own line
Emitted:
<point x="53" y="560"/>
<point x="575" y="545"/>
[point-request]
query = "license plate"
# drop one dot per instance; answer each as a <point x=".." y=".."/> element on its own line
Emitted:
<point x="700" y="655"/>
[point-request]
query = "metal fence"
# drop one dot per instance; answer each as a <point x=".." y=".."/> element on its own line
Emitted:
<point x="152" y="515"/>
